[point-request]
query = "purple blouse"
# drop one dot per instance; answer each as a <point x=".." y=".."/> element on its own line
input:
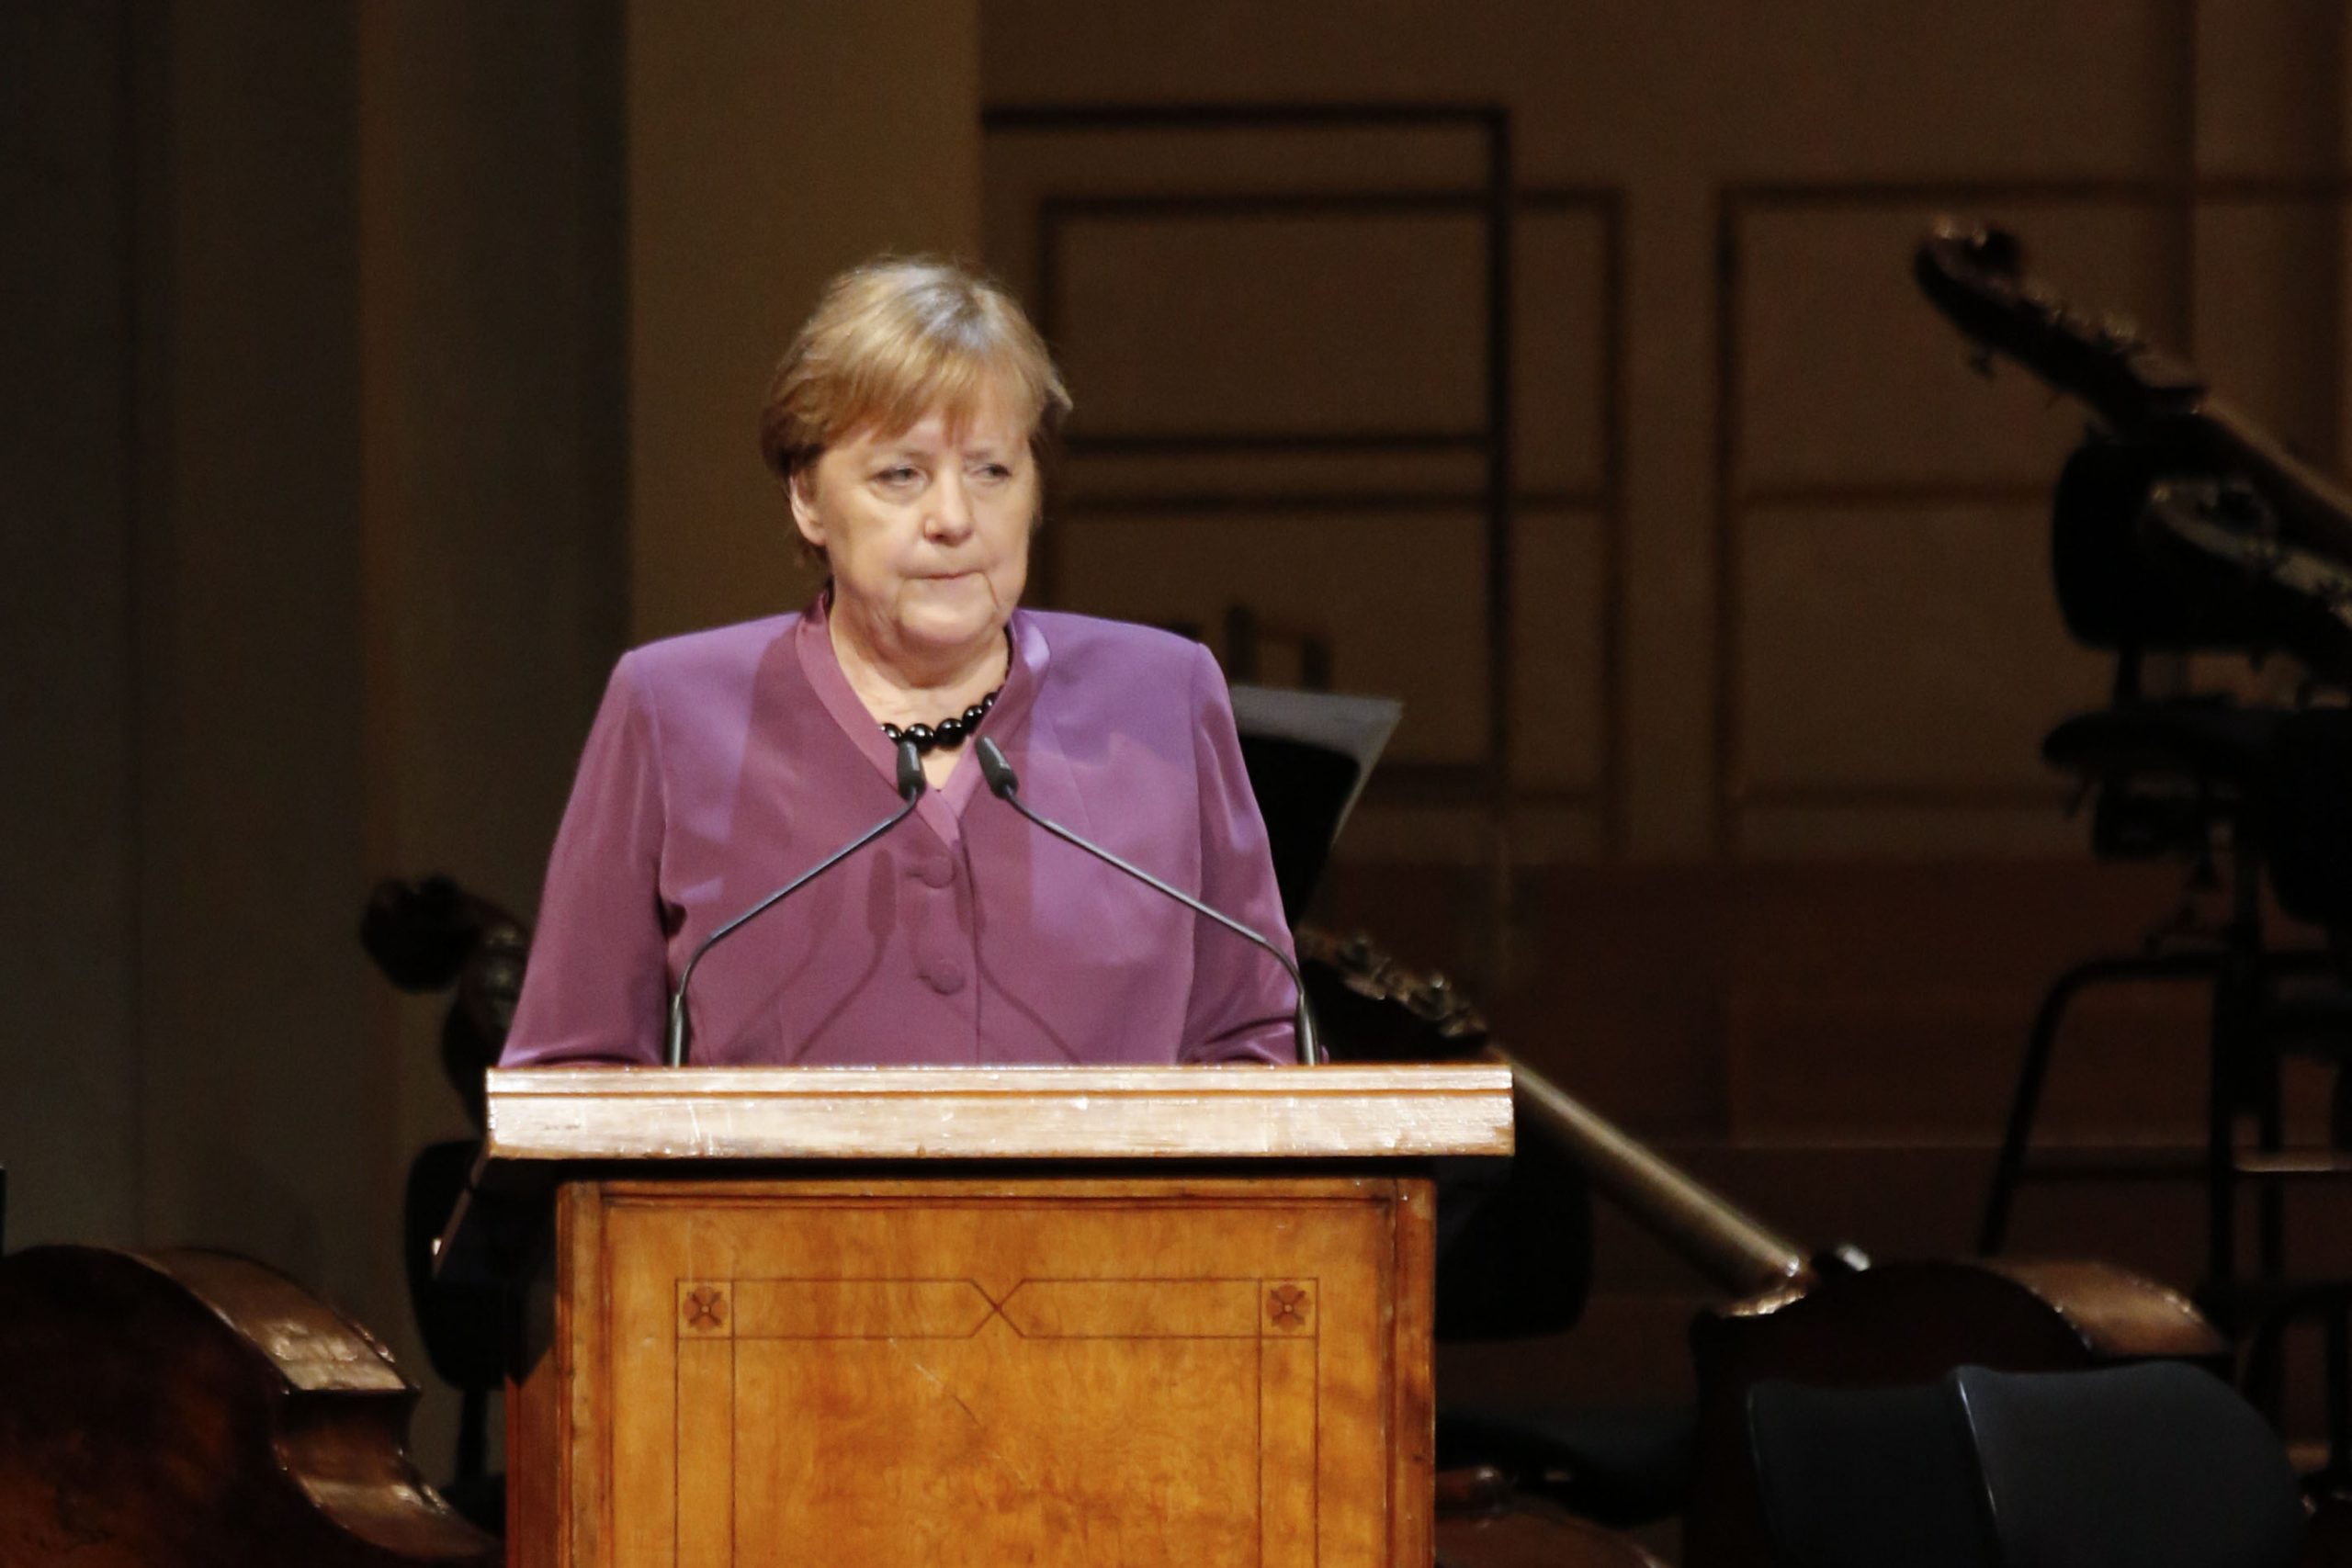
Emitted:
<point x="724" y="763"/>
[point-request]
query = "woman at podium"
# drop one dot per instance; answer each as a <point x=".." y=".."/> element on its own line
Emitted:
<point x="907" y="425"/>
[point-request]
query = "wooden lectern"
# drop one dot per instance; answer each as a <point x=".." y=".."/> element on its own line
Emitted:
<point x="932" y="1317"/>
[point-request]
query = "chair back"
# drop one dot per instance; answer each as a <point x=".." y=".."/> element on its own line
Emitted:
<point x="2159" y="1466"/>
<point x="1862" y="1478"/>
<point x="2114" y="592"/>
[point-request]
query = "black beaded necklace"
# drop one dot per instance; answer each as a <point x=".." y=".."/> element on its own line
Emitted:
<point x="949" y="733"/>
<point x="952" y="731"/>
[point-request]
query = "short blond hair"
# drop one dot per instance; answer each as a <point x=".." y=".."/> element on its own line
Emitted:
<point x="897" y="339"/>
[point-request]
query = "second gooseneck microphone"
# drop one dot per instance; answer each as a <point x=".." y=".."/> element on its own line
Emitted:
<point x="911" y="784"/>
<point x="1005" y="785"/>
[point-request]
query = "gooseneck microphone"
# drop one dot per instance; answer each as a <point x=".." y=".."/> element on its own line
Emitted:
<point x="911" y="784"/>
<point x="1005" y="785"/>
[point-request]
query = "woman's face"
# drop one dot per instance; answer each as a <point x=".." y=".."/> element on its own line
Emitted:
<point x="926" y="530"/>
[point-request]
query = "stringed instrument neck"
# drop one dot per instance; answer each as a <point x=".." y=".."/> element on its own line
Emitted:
<point x="1976" y="275"/>
<point x="1399" y="1013"/>
<point x="1737" y="1252"/>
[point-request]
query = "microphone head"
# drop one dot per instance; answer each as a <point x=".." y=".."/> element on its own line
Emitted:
<point x="911" y="784"/>
<point x="1002" y="781"/>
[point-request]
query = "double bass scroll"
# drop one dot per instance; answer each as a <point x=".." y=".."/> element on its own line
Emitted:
<point x="190" y="1409"/>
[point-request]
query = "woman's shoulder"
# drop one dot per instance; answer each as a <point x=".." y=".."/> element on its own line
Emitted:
<point x="713" y="653"/>
<point x="1139" y="680"/>
<point x="1087" y="643"/>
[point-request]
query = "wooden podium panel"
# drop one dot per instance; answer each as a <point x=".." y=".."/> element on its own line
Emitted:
<point x="932" y="1317"/>
<point x="976" y="1372"/>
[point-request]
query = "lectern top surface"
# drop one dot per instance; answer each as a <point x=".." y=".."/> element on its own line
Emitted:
<point x="783" y="1113"/>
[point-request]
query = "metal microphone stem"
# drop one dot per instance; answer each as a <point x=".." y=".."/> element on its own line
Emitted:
<point x="1310" y="1049"/>
<point x="911" y="785"/>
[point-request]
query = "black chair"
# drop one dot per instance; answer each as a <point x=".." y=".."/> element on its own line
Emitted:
<point x="2305" y="807"/>
<point x="1866" y="1478"/>
<point x="2305" y="800"/>
<point x="2194" y="778"/>
<point x="2158" y="1465"/>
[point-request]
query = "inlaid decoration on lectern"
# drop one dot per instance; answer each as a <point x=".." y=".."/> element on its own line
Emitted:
<point x="703" y="1307"/>
<point x="1025" y="1404"/>
<point x="1287" y="1307"/>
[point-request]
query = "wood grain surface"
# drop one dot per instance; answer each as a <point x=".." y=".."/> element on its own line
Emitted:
<point x="981" y="1369"/>
<point x="1226" y="1113"/>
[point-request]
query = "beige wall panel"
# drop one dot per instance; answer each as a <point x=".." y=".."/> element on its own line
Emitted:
<point x="1912" y="647"/>
<point x="1088" y="475"/>
<point x="1209" y="324"/>
<point x="1023" y="162"/>
<point x="1670" y="103"/>
<point x="1549" y="835"/>
<point x="1559" y="663"/>
<point x="1927" y="1057"/>
<point x="1560" y="326"/>
<point x="1848" y="375"/>
<point x="262" y="1098"/>
<point x="1836" y="87"/>
<point x="1462" y="836"/>
<point x="495" y="468"/>
<point x="1559" y="331"/>
<point x="1394" y="617"/>
<point x="769" y="146"/>
<point x="1669" y="572"/>
<point x="2030" y="830"/>
<point x="2270" y="77"/>
<point x="1418" y="835"/>
<point x="1848" y="88"/>
<point x="68" y="1071"/>
<point x="2269" y="277"/>
<point x="1022" y="167"/>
